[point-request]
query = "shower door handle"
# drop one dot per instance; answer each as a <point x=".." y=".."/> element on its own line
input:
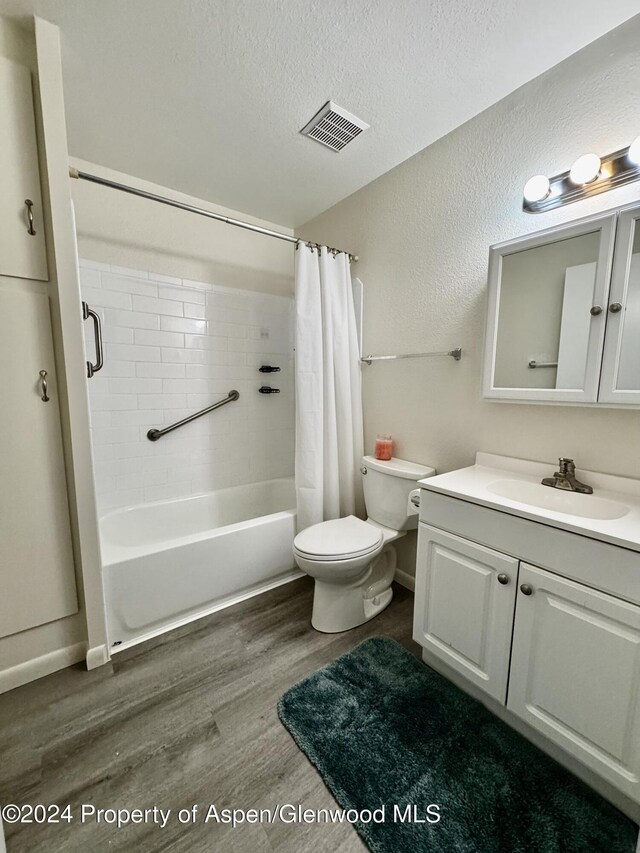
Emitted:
<point x="97" y="331"/>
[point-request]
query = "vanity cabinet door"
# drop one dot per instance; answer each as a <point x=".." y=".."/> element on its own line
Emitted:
<point x="22" y="246"/>
<point x="620" y="381"/>
<point x="464" y="603"/>
<point x="575" y="673"/>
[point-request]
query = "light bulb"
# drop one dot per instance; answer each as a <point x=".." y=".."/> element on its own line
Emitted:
<point x="536" y="188"/>
<point x="585" y="169"/>
<point x="633" y="154"/>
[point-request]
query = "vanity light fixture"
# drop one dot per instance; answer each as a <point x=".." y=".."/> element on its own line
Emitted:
<point x="588" y="176"/>
<point x="585" y="169"/>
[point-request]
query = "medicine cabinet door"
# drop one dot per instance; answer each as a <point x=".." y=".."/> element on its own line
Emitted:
<point x="547" y="313"/>
<point x="620" y="381"/>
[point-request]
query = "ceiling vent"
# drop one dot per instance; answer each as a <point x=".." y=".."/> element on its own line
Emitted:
<point x="334" y="126"/>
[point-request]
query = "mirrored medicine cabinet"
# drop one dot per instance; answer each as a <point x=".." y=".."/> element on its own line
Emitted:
<point x="563" y="320"/>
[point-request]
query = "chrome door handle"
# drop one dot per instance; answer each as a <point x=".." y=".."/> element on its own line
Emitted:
<point x="43" y="386"/>
<point x="503" y="579"/>
<point x="615" y="307"/>
<point x="97" y="331"/>
<point x="595" y="310"/>
<point x="30" y="230"/>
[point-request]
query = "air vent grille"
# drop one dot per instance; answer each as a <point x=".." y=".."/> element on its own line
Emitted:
<point x="334" y="126"/>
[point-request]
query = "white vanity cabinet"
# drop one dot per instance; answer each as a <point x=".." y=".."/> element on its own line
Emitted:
<point x="542" y="621"/>
<point x="465" y="599"/>
<point x="575" y="672"/>
<point x="22" y="238"/>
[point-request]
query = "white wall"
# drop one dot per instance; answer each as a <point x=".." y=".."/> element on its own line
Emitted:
<point x="423" y="232"/>
<point x="173" y="346"/>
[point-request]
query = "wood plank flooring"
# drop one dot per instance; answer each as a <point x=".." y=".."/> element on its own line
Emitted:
<point x="187" y="718"/>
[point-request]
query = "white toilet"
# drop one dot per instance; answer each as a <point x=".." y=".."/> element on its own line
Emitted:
<point x="353" y="561"/>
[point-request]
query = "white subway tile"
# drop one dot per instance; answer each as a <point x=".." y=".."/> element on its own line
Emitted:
<point x="205" y="342"/>
<point x="183" y="324"/>
<point x="199" y="285"/>
<point x="162" y="401"/>
<point x="135" y="386"/>
<point x="106" y="298"/>
<point x="167" y="492"/>
<point x="165" y="279"/>
<point x="140" y="480"/>
<point x="122" y="352"/>
<point x="135" y="418"/>
<point x="89" y="278"/>
<point x="113" y="500"/>
<point x="156" y="306"/>
<point x="161" y="369"/>
<point x="116" y="334"/>
<point x="145" y="337"/>
<point x="181" y="294"/>
<point x="113" y="402"/>
<point x="199" y="312"/>
<point x="131" y="319"/>
<point x="129" y="272"/>
<point x="114" y="435"/>
<point x="183" y="356"/>
<point x="112" y="367"/>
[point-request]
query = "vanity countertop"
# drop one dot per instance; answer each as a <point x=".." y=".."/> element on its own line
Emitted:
<point x="611" y="514"/>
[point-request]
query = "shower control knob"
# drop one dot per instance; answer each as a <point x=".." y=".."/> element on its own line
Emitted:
<point x="266" y="368"/>
<point x="503" y="579"/>
<point x="266" y="389"/>
<point x="363" y="470"/>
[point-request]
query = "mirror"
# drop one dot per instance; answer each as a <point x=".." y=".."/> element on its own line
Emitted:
<point x="547" y="312"/>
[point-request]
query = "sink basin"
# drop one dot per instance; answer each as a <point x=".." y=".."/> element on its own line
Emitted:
<point x="557" y="500"/>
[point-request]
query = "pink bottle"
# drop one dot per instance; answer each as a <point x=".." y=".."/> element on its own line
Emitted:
<point x="384" y="447"/>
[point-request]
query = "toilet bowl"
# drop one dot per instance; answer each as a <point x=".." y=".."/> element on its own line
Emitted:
<point x="352" y="561"/>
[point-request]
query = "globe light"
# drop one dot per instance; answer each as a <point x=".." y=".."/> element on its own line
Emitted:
<point x="585" y="169"/>
<point x="633" y="154"/>
<point x="537" y="188"/>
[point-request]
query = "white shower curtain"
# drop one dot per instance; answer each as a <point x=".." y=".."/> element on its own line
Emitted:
<point x="329" y="441"/>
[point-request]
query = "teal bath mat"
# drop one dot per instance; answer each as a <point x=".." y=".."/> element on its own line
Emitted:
<point x="387" y="733"/>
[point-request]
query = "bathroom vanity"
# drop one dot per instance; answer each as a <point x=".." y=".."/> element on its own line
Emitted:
<point x="528" y="597"/>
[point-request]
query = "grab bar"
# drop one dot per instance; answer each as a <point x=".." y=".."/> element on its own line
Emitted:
<point x="155" y="434"/>
<point x="97" y="331"/>
<point x="533" y="364"/>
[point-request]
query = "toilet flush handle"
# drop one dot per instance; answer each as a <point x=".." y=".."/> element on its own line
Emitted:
<point x="363" y="470"/>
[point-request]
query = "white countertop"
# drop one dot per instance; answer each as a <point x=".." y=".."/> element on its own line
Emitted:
<point x="614" y="496"/>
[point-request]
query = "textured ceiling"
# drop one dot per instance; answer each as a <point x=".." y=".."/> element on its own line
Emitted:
<point x="208" y="96"/>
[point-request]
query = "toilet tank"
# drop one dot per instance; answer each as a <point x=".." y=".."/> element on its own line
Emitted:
<point x="387" y="486"/>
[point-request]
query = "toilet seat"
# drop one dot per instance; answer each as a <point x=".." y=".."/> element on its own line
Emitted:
<point x="338" y="539"/>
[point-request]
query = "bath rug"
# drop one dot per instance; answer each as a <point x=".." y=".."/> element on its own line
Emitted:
<point x="389" y="734"/>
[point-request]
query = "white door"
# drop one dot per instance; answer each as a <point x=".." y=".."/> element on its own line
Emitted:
<point x="464" y="602"/>
<point x="620" y="381"/>
<point x="37" y="579"/>
<point x="22" y="247"/>
<point x="575" y="673"/>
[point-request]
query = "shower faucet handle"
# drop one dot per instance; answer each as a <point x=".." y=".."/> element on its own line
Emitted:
<point x="266" y="389"/>
<point x="266" y="368"/>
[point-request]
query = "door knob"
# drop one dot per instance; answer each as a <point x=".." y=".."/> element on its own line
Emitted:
<point x="503" y="579"/>
<point x="615" y="307"/>
<point x="597" y="309"/>
<point x="526" y="589"/>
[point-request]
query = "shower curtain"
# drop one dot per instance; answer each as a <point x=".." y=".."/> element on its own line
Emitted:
<point x="329" y="441"/>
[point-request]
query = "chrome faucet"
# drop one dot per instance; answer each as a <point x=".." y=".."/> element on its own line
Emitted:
<point x="565" y="478"/>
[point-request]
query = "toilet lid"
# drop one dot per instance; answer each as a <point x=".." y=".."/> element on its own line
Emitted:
<point x="338" y="538"/>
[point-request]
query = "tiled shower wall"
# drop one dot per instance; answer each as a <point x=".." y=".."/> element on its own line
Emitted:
<point x="174" y="346"/>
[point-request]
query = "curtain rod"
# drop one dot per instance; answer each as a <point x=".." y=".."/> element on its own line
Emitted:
<point x="190" y="208"/>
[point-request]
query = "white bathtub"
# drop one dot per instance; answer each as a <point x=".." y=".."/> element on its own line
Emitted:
<point x="170" y="562"/>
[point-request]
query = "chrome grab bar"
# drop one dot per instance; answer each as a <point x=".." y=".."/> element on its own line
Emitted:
<point x="97" y="331"/>
<point x="155" y="434"/>
<point x="456" y="354"/>
<point x="533" y="364"/>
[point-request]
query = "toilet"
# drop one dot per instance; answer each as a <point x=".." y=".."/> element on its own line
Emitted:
<point x="352" y="561"/>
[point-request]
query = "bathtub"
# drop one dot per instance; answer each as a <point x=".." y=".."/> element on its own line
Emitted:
<point x="167" y="563"/>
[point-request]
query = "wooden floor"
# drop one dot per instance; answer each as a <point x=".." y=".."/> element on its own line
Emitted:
<point x="188" y="718"/>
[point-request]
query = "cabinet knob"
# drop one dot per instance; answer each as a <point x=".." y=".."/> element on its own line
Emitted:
<point x="363" y="470"/>
<point x="503" y="579"/>
<point x="615" y="307"/>
<point x="595" y="310"/>
<point x="526" y="589"/>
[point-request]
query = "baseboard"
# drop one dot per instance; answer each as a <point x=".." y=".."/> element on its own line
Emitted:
<point x="23" y="673"/>
<point x="405" y="579"/>
<point x="97" y="656"/>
